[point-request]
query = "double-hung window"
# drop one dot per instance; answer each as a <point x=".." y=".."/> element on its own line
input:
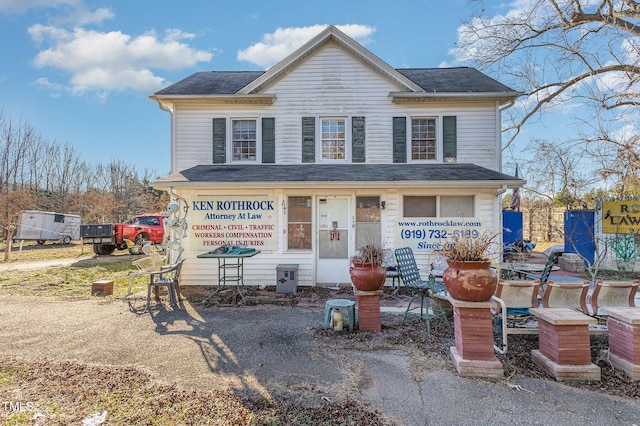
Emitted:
<point x="439" y="206"/>
<point x="243" y="140"/>
<point x="423" y="138"/>
<point x="333" y="139"/>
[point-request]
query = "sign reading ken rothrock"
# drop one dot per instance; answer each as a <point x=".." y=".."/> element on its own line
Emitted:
<point x="237" y="221"/>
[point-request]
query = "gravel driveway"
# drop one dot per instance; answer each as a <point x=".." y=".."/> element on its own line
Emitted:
<point x="281" y="352"/>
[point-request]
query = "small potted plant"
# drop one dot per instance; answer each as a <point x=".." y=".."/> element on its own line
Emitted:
<point x="469" y="276"/>
<point x="367" y="272"/>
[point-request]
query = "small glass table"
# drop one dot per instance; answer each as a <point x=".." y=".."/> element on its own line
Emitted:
<point x="230" y="269"/>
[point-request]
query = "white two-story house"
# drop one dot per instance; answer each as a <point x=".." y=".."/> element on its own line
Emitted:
<point x="328" y="149"/>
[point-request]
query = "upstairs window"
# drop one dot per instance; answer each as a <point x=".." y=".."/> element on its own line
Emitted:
<point x="243" y="140"/>
<point x="423" y="138"/>
<point x="333" y="139"/>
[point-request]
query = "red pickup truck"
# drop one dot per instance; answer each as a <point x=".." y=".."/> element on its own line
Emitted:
<point x="108" y="237"/>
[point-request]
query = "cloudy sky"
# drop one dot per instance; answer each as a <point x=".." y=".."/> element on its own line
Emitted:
<point x="81" y="71"/>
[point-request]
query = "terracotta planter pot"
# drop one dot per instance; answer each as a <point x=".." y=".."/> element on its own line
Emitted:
<point x="367" y="277"/>
<point x="470" y="281"/>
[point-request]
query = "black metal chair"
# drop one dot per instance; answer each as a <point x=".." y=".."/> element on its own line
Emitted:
<point x="166" y="277"/>
<point x="546" y="271"/>
<point x="392" y="269"/>
<point x="425" y="290"/>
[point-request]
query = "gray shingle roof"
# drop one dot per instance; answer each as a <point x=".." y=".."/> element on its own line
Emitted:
<point x="211" y="83"/>
<point x="432" y="80"/>
<point x="453" y="80"/>
<point x="246" y="173"/>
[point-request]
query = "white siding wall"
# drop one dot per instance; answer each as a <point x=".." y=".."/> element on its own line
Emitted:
<point x="258" y="270"/>
<point x="261" y="269"/>
<point x="333" y="83"/>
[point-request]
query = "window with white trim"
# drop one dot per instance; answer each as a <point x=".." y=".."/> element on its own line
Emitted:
<point x="368" y="229"/>
<point x="243" y="140"/>
<point x="456" y="206"/>
<point x="423" y="138"/>
<point x="299" y="223"/>
<point x="438" y="206"/>
<point x="333" y="139"/>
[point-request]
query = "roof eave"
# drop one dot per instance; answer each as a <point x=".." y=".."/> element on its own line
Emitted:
<point x="252" y="99"/>
<point x="164" y="184"/>
<point x="413" y="97"/>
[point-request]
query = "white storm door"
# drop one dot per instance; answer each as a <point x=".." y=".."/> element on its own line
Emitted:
<point x="333" y="240"/>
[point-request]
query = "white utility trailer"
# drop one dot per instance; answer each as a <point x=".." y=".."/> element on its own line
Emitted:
<point x="43" y="226"/>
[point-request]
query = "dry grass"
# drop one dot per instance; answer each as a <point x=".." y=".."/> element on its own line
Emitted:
<point x="68" y="281"/>
<point x="73" y="281"/>
<point x="542" y="246"/>
<point x="33" y="252"/>
<point x="62" y="393"/>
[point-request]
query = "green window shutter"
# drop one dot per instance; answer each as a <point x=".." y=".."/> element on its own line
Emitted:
<point x="399" y="139"/>
<point x="308" y="139"/>
<point x="357" y="140"/>
<point x="219" y="140"/>
<point x="449" y="137"/>
<point x="268" y="140"/>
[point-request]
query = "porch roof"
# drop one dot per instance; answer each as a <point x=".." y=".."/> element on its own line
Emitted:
<point x="396" y="174"/>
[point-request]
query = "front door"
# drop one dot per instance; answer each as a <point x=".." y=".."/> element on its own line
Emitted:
<point x="333" y="240"/>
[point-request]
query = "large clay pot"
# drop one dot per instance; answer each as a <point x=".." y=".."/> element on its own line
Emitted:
<point x="470" y="281"/>
<point x="367" y="277"/>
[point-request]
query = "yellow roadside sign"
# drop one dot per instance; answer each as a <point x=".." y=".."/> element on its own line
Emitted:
<point x="621" y="217"/>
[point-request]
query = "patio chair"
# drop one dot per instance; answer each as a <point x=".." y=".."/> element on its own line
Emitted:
<point x="153" y="262"/>
<point x="568" y="294"/>
<point x="425" y="290"/>
<point x="613" y="294"/>
<point x="514" y="298"/>
<point x="389" y="263"/>
<point x="610" y="294"/>
<point x="546" y="271"/>
<point x="167" y="277"/>
<point x="438" y="265"/>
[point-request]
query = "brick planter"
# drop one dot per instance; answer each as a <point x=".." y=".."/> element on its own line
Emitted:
<point x="368" y="304"/>
<point x="473" y="353"/>
<point x="624" y="340"/>
<point x="564" y="342"/>
<point x="102" y="288"/>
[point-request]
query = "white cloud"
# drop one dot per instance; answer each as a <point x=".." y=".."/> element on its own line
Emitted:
<point x="72" y="11"/>
<point x="81" y="15"/>
<point x="100" y="62"/>
<point x="21" y="6"/>
<point x="54" y="89"/>
<point x="276" y="46"/>
<point x="113" y="61"/>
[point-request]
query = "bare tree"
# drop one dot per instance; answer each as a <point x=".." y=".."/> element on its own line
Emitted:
<point x="66" y="179"/>
<point x="556" y="173"/>
<point x="37" y="174"/>
<point x="566" y="53"/>
<point x="16" y="138"/>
